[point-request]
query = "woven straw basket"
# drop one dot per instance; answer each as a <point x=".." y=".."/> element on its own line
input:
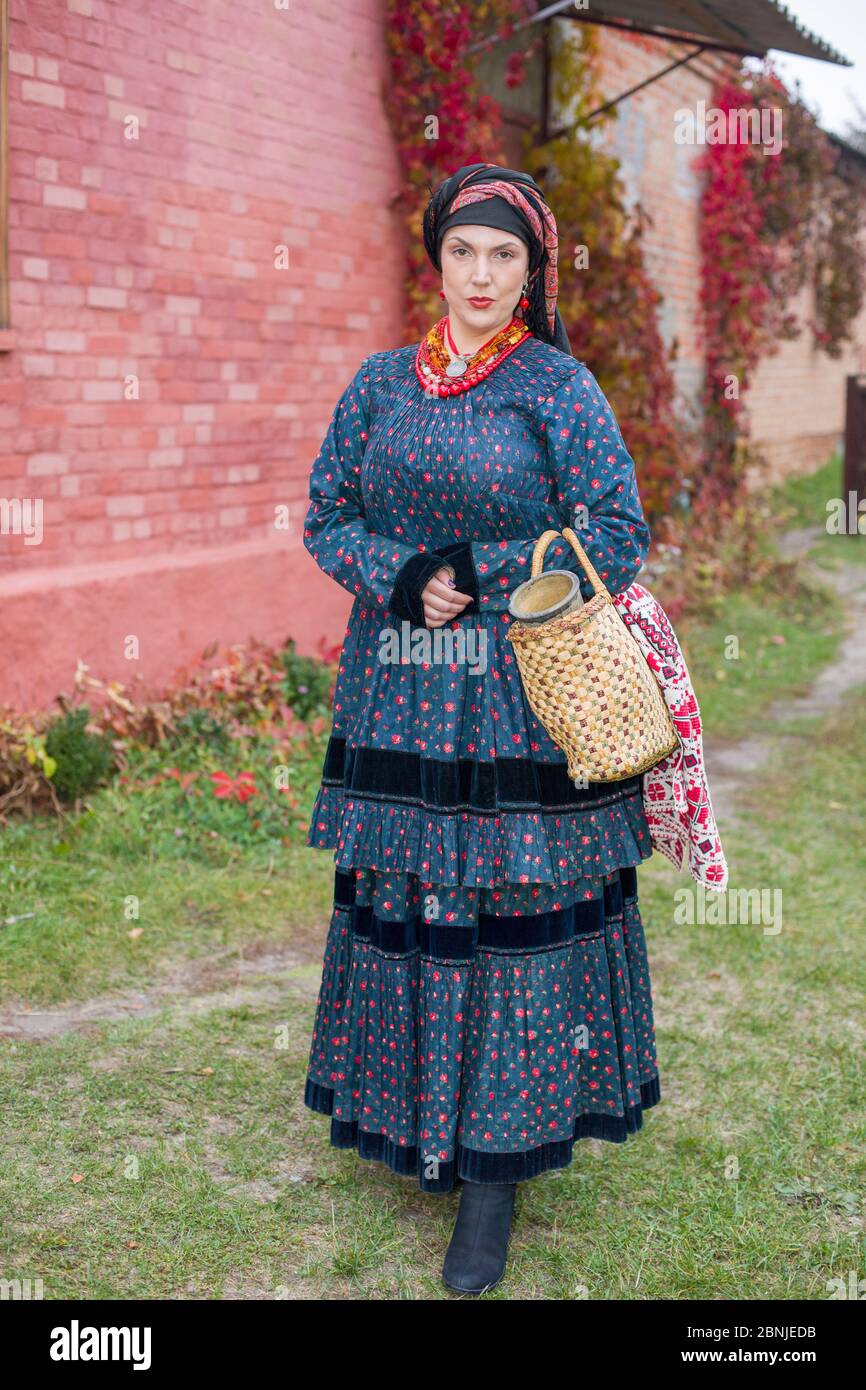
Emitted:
<point x="586" y="678"/>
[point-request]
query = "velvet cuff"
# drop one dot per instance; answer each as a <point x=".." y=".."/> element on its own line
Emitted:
<point x="459" y="557"/>
<point x="410" y="582"/>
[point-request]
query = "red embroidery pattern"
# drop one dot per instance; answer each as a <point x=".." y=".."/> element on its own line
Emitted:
<point x="676" y="793"/>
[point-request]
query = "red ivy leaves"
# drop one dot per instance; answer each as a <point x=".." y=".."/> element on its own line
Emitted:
<point x="610" y="310"/>
<point x="240" y="788"/>
<point x="770" y="225"/>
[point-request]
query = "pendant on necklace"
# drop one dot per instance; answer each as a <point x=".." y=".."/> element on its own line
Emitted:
<point x="456" y="367"/>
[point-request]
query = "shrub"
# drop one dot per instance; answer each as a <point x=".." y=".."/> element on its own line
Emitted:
<point x="83" y="759"/>
<point x="202" y="727"/>
<point x="307" y="685"/>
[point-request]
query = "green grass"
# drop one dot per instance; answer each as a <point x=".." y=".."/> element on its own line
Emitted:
<point x="803" y="502"/>
<point x="186" y="875"/>
<point x="192" y="1143"/>
<point x="169" y="1154"/>
<point x="770" y="640"/>
<point x="764" y="645"/>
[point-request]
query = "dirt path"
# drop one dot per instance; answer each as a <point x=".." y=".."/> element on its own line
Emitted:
<point x="729" y="764"/>
<point x="192" y="987"/>
<point x="271" y="977"/>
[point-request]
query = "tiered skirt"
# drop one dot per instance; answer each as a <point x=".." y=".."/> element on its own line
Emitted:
<point x="476" y="1030"/>
<point x="485" y="998"/>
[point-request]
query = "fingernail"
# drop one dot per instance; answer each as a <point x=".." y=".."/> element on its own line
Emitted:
<point x="451" y="583"/>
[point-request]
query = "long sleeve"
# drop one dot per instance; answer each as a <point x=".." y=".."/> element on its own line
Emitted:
<point x="336" y="533"/>
<point x="591" y="469"/>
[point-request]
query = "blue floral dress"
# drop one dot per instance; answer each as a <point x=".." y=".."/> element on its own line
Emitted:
<point x="485" y="998"/>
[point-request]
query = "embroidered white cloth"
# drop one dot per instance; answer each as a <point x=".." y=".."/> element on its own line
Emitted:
<point x="676" y="794"/>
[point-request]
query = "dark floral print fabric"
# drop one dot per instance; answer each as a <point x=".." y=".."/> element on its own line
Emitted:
<point x="533" y="446"/>
<point x="482" y="1052"/>
<point x="485" y="999"/>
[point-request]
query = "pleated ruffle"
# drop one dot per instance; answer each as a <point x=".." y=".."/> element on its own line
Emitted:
<point x="480" y="851"/>
<point x="397" y="897"/>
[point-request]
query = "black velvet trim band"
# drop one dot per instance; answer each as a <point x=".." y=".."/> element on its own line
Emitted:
<point x="544" y="929"/>
<point x="471" y="1165"/>
<point x="344" y="888"/>
<point x="445" y="943"/>
<point x="459" y="555"/>
<point x="411" y="580"/>
<point x="506" y="784"/>
<point x="454" y="944"/>
<point x="613" y="898"/>
<point x="628" y="879"/>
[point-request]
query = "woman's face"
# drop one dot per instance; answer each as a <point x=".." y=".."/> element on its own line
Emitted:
<point x="483" y="264"/>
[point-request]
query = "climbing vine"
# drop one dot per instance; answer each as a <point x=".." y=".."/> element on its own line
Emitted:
<point x="771" y="225"/>
<point x="607" y="299"/>
<point x="439" y="116"/>
<point x="441" y="120"/>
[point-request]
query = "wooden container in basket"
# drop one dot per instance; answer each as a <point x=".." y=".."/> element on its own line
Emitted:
<point x="585" y="677"/>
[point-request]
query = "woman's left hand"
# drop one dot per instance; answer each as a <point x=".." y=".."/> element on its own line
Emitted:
<point x="442" y="603"/>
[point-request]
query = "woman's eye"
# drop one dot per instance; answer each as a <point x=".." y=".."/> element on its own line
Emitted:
<point x="462" y="250"/>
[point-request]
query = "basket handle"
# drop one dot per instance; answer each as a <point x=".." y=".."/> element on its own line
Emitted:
<point x="544" y="541"/>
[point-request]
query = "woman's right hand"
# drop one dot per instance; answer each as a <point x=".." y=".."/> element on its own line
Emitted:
<point x="442" y="603"/>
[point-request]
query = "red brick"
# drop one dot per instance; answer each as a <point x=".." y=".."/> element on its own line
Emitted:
<point x="159" y="256"/>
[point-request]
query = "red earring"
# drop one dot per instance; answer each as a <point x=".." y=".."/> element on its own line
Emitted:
<point x="441" y="294"/>
<point x="524" y="302"/>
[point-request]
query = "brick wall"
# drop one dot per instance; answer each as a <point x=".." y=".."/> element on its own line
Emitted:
<point x="165" y="385"/>
<point x="797" y="407"/>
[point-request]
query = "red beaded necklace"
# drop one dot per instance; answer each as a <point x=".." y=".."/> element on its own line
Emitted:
<point x="440" y="374"/>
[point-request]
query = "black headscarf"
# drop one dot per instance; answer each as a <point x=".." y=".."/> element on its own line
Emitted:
<point x="525" y="213"/>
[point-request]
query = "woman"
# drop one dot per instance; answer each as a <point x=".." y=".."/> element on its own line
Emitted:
<point x="485" y="998"/>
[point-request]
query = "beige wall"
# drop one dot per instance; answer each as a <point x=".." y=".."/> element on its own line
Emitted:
<point x="797" y="403"/>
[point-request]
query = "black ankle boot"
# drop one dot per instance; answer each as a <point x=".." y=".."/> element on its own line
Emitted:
<point x="475" y="1260"/>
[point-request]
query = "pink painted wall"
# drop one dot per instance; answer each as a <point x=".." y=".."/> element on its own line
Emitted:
<point x="164" y="386"/>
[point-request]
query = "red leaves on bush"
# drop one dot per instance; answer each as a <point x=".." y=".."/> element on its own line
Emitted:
<point x="611" y="310"/>
<point x="243" y="691"/>
<point x="240" y="788"/>
<point x="770" y="225"/>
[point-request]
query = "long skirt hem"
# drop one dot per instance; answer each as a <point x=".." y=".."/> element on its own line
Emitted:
<point x="471" y="1165"/>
